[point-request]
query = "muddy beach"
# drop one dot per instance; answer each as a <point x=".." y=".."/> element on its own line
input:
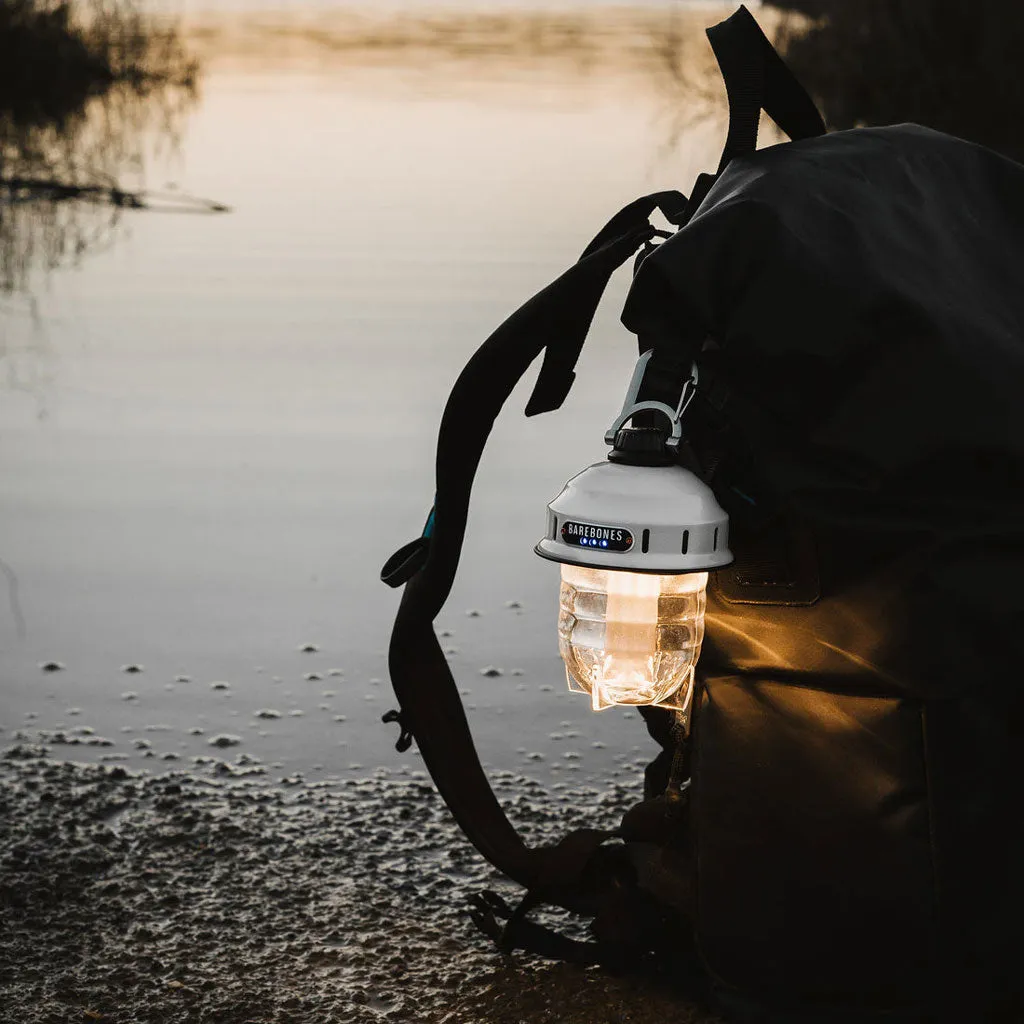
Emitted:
<point x="215" y="895"/>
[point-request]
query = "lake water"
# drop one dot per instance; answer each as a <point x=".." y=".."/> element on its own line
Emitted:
<point x="218" y="427"/>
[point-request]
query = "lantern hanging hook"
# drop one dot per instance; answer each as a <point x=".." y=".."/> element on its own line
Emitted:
<point x="630" y="407"/>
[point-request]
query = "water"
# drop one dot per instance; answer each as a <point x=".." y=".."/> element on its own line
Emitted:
<point x="219" y="427"/>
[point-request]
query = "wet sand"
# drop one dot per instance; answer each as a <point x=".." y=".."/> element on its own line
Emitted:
<point x="214" y="896"/>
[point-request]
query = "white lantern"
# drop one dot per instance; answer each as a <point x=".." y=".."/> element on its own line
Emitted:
<point x="636" y="536"/>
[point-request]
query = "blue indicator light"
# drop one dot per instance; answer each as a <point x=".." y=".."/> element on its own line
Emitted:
<point x="604" y="543"/>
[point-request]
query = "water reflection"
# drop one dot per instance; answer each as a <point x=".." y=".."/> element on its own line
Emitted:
<point x="86" y="92"/>
<point x="664" y="46"/>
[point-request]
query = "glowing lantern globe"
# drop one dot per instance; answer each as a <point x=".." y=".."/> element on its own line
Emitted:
<point x="636" y="536"/>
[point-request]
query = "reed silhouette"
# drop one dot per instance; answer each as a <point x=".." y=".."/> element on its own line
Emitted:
<point x="84" y="88"/>
<point x="936" y="62"/>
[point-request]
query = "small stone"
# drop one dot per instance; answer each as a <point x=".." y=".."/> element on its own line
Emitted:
<point x="183" y="679"/>
<point x="517" y="672"/>
<point x="225" y="739"/>
<point x="534" y="756"/>
<point x="195" y="731"/>
<point x="169" y="755"/>
<point x="308" y="648"/>
<point x="313" y="677"/>
<point x="328" y="693"/>
<point x="220" y="684"/>
<point x="52" y="666"/>
<point x="267" y="713"/>
<point x="129" y="695"/>
<point x="73" y="711"/>
<point x="451" y="650"/>
<point x="141" y="744"/>
<point x="132" y="669"/>
<point x="296" y="712"/>
<point x="445" y="633"/>
<point x="335" y="672"/>
<point x="340" y="718"/>
<point x="472" y="613"/>
<point x="491" y="672"/>
<point x="546" y="688"/>
<point x="513" y="604"/>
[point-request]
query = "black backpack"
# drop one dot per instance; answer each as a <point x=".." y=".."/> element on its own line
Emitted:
<point x="845" y="843"/>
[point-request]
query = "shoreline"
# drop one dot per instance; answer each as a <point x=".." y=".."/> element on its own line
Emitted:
<point x="130" y="896"/>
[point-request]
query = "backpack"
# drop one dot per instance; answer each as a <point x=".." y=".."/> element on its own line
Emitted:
<point x="837" y="837"/>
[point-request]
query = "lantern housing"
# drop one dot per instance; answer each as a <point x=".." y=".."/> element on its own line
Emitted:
<point x="636" y="536"/>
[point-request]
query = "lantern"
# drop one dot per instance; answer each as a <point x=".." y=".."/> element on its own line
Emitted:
<point x="636" y="536"/>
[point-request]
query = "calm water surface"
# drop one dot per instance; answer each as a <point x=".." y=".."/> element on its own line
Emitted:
<point x="219" y="427"/>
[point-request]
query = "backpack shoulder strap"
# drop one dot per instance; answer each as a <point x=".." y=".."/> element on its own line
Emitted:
<point x="756" y="78"/>
<point x="556" y="320"/>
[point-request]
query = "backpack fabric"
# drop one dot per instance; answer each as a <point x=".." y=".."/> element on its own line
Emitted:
<point x="848" y="845"/>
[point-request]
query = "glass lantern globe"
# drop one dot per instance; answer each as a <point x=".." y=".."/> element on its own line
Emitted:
<point x="630" y="637"/>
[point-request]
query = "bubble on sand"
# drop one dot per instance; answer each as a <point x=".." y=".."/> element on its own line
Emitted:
<point x="225" y="739"/>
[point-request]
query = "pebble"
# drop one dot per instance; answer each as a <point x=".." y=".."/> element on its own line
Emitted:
<point x="183" y="679"/>
<point x="132" y="668"/>
<point x="129" y="695"/>
<point x="267" y="713"/>
<point x="335" y="672"/>
<point x="308" y="648"/>
<point x="513" y="604"/>
<point x="296" y="712"/>
<point x="141" y="744"/>
<point x="328" y="693"/>
<point x="52" y="666"/>
<point x="225" y="739"/>
<point x="73" y="711"/>
<point x="340" y="718"/>
<point x="313" y="677"/>
<point x="517" y="672"/>
<point x="491" y="672"/>
<point x="169" y="755"/>
<point x="195" y="731"/>
<point x="445" y="633"/>
<point x="220" y="684"/>
<point x="472" y="613"/>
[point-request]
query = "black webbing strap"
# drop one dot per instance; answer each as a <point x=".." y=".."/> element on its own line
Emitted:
<point x="556" y="320"/>
<point x="756" y="79"/>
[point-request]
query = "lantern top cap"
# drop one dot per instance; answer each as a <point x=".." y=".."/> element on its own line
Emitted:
<point x="653" y="519"/>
